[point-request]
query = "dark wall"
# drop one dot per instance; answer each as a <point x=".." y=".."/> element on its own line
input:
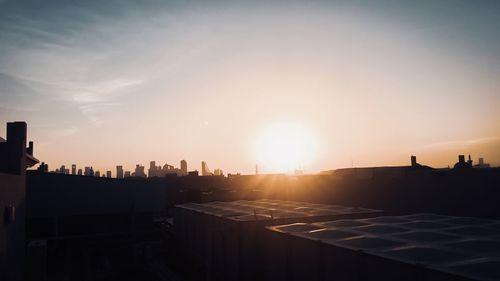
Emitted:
<point x="12" y="190"/>
<point x="465" y="193"/>
<point x="13" y="161"/>
<point x="51" y="195"/>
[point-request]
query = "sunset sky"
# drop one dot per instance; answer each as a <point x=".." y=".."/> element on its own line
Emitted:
<point x="352" y="83"/>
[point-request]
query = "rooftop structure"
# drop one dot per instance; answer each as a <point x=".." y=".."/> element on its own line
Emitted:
<point x="15" y="157"/>
<point x="225" y="237"/>
<point x="413" y="247"/>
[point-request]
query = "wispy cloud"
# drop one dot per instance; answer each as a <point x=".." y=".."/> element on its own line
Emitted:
<point x="457" y="145"/>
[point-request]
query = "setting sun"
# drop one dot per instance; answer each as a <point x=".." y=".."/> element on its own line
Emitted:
<point x="284" y="147"/>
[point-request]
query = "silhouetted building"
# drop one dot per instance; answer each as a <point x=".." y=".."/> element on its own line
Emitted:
<point x="43" y="168"/>
<point x="73" y="169"/>
<point x="15" y="157"/>
<point x="139" y="171"/>
<point x="63" y="170"/>
<point x="205" y="171"/>
<point x="79" y="172"/>
<point x="481" y="164"/>
<point x="461" y="164"/>
<point x="87" y="171"/>
<point x="393" y="172"/>
<point x="97" y="174"/>
<point x="108" y="174"/>
<point x="158" y="171"/>
<point x="119" y="172"/>
<point x="127" y="174"/>
<point x="184" y="168"/>
<point x="152" y="169"/>
<point x="193" y="173"/>
<point x="14" y="147"/>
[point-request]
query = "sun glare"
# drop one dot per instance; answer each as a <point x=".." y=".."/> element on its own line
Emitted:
<point x="284" y="147"/>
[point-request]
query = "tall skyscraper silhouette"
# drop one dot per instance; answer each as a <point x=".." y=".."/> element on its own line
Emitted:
<point x="184" y="167"/>
<point x="119" y="172"/>
<point x="152" y="169"/>
<point x="204" y="169"/>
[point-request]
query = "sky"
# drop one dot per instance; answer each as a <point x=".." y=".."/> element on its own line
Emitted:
<point x="369" y="83"/>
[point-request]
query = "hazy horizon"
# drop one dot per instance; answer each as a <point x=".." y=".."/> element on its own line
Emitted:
<point x="352" y="84"/>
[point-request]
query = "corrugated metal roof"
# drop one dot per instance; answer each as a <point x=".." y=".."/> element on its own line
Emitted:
<point x="464" y="246"/>
<point x="244" y="210"/>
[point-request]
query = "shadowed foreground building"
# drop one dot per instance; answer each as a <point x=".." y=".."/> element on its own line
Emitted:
<point x="14" y="159"/>
<point x="226" y="238"/>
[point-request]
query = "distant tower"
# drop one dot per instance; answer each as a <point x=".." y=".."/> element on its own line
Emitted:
<point x="44" y="168"/>
<point x="481" y="161"/>
<point x="256" y="169"/>
<point x="127" y="174"/>
<point x="184" y="168"/>
<point x="204" y="169"/>
<point x="73" y="169"/>
<point x="139" y="171"/>
<point x="152" y="169"/>
<point x="119" y="172"/>
<point x="108" y="174"/>
<point x="79" y="172"/>
<point x="469" y="162"/>
<point x="414" y="161"/>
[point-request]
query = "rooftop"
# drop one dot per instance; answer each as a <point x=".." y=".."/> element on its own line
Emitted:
<point x="267" y="209"/>
<point x="464" y="246"/>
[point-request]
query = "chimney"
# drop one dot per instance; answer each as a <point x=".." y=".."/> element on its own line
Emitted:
<point x="461" y="158"/>
<point x="14" y="160"/>
<point x="29" y="150"/>
<point x="16" y="132"/>
<point x="413" y="161"/>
